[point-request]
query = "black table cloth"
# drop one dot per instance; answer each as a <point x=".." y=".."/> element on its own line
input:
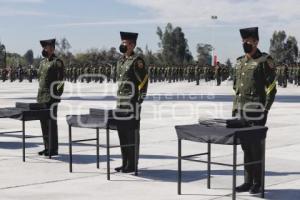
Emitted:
<point x="99" y="119"/>
<point x="10" y="112"/>
<point x="220" y="134"/>
<point x="26" y="112"/>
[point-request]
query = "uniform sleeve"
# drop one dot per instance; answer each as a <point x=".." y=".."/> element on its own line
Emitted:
<point x="59" y="77"/>
<point x="270" y="82"/>
<point x="234" y="76"/>
<point x="141" y="73"/>
<point x="39" y="71"/>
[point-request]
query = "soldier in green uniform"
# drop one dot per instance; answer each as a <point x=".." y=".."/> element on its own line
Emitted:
<point x="298" y="74"/>
<point x="218" y="73"/>
<point x="206" y="73"/>
<point x="160" y="74"/>
<point x="151" y="73"/>
<point x="95" y="73"/>
<point x="50" y="75"/>
<point x="66" y="74"/>
<point x="114" y="73"/>
<point x="290" y="79"/>
<point x="4" y="74"/>
<point x="132" y="77"/>
<point x="87" y="73"/>
<point x="255" y="90"/>
<point x="72" y="73"/>
<point x="285" y="75"/>
<point x="108" y="73"/>
<point x="197" y="74"/>
<point x="30" y="73"/>
<point x="279" y="75"/>
<point x="102" y="73"/>
<point x="12" y="73"/>
<point x="169" y="74"/>
<point x="77" y="73"/>
<point x="81" y="73"/>
<point x="295" y="74"/>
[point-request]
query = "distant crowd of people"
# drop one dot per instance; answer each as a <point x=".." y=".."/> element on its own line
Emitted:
<point x="286" y="74"/>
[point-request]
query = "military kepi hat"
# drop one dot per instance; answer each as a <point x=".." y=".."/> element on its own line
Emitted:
<point x="249" y="32"/>
<point x="50" y="42"/>
<point x="129" y="36"/>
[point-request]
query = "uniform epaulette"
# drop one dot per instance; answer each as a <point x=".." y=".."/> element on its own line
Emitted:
<point x="239" y="58"/>
<point x="59" y="62"/>
<point x="266" y="55"/>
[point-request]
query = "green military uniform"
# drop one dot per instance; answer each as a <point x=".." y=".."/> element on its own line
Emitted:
<point x="4" y="74"/>
<point x="218" y="74"/>
<point x="255" y="89"/>
<point x="132" y="77"/>
<point x="50" y="76"/>
<point x="108" y="73"/>
<point x="291" y="71"/>
<point x="197" y="74"/>
<point x="169" y="74"/>
<point x="12" y="74"/>
<point x="206" y="73"/>
<point x="30" y="74"/>
<point x="102" y="73"/>
<point x="151" y="73"/>
<point x="285" y="75"/>
<point x="298" y="75"/>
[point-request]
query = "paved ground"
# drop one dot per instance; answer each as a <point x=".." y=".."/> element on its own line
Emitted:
<point x="168" y="105"/>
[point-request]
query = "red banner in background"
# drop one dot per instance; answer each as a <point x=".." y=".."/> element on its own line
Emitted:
<point x="215" y="60"/>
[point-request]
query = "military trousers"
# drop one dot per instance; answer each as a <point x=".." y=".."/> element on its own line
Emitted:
<point x="128" y="126"/>
<point x="253" y="151"/>
<point x="218" y="80"/>
<point x="51" y="125"/>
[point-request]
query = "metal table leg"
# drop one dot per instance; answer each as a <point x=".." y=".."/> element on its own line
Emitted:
<point x="23" y="139"/>
<point x="179" y="172"/>
<point x="49" y="139"/>
<point x="135" y="152"/>
<point x="208" y="165"/>
<point x="97" y="146"/>
<point x="70" y="149"/>
<point x="263" y="161"/>
<point x="234" y="171"/>
<point x="108" y="154"/>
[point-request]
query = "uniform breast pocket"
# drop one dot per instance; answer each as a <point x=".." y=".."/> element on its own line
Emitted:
<point x="250" y="73"/>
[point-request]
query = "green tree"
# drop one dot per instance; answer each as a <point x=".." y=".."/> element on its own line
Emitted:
<point x="174" y="46"/>
<point x="28" y="56"/>
<point x="63" y="51"/>
<point x="14" y="60"/>
<point x="283" y="49"/>
<point x="2" y="56"/>
<point x="291" y="48"/>
<point x="204" y="54"/>
<point x="228" y="63"/>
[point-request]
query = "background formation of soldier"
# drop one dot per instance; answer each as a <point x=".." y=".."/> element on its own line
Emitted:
<point x="286" y="74"/>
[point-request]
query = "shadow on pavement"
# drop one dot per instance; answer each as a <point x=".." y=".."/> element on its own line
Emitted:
<point x="16" y="145"/>
<point x="280" y="194"/>
<point x="190" y="176"/>
<point x="89" y="159"/>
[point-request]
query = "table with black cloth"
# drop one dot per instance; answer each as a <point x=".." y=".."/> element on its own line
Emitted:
<point x="96" y="119"/>
<point x="26" y="112"/>
<point x="216" y="132"/>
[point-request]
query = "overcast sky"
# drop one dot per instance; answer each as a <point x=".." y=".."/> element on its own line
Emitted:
<point x="96" y="23"/>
